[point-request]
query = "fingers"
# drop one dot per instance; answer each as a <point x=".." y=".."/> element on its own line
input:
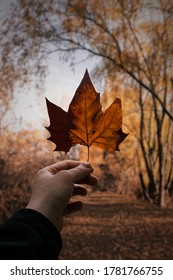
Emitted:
<point x="80" y="172"/>
<point x="89" y="180"/>
<point x="73" y="207"/>
<point x="79" y="190"/>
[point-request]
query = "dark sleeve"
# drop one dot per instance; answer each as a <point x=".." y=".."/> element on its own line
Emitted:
<point x="29" y="235"/>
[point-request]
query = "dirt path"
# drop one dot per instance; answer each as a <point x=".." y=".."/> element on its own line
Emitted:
<point x="113" y="227"/>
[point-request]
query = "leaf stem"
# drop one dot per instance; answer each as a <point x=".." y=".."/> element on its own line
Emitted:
<point x="88" y="153"/>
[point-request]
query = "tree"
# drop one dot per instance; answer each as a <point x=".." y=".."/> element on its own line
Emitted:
<point x="23" y="154"/>
<point x="133" y="40"/>
<point x="6" y="90"/>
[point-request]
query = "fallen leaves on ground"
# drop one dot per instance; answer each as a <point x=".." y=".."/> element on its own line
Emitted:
<point x="113" y="227"/>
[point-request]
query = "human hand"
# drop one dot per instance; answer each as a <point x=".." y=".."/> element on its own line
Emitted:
<point x="56" y="184"/>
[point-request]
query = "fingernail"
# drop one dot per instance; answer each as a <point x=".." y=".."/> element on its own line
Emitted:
<point x="87" y="165"/>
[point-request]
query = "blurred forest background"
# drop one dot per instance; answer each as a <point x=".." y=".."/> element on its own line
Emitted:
<point x="133" y="41"/>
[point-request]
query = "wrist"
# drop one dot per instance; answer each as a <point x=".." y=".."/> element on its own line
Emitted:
<point x="46" y="208"/>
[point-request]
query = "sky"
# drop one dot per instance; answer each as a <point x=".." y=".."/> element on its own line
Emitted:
<point x="60" y="85"/>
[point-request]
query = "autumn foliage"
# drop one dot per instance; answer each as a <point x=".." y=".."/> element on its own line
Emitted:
<point x="133" y="41"/>
<point x="85" y="123"/>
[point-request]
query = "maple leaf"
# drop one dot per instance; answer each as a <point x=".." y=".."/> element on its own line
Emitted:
<point x="85" y="123"/>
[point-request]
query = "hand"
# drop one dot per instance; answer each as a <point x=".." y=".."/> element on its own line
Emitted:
<point x="56" y="184"/>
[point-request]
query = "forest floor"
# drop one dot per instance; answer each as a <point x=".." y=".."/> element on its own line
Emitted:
<point x="114" y="227"/>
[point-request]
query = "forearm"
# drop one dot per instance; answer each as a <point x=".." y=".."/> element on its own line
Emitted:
<point x="29" y="235"/>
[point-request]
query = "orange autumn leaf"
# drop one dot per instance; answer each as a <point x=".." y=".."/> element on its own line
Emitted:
<point x="85" y="123"/>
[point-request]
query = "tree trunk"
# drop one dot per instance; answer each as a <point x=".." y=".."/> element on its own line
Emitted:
<point x="162" y="195"/>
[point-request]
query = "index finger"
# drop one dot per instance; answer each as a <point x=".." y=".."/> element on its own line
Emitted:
<point x="89" y="180"/>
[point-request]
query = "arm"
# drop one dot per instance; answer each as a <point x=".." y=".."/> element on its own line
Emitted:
<point x="29" y="235"/>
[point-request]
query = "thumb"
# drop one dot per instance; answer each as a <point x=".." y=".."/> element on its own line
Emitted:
<point x="80" y="172"/>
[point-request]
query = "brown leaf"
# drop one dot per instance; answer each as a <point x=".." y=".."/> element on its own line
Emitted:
<point x="109" y="134"/>
<point x="85" y="123"/>
<point x="60" y="126"/>
<point x="85" y="111"/>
